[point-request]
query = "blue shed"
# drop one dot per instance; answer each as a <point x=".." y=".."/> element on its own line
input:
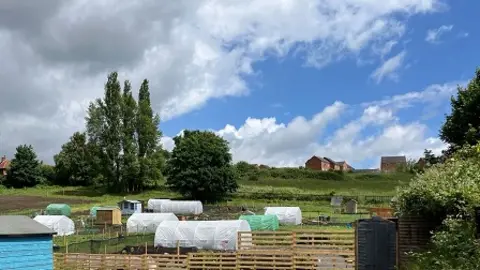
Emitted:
<point x="25" y="244"/>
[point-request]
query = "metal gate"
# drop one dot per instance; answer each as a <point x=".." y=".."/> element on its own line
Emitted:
<point x="376" y="244"/>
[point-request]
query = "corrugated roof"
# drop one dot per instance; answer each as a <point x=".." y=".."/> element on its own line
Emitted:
<point x="131" y="201"/>
<point x="22" y="225"/>
<point x="393" y="159"/>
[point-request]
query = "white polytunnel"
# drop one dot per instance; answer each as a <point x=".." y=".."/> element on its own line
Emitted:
<point x="156" y="204"/>
<point x="211" y="235"/>
<point x="182" y="207"/>
<point x="286" y="215"/>
<point x="62" y="225"/>
<point x="147" y="222"/>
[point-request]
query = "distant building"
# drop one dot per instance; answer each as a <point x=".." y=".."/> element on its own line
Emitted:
<point x="317" y="163"/>
<point x="391" y="163"/>
<point x="333" y="164"/>
<point x="421" y="163"/>
<point x="326" y="164"/>
<point x="4" y="165"/>
<point x="344" y="166"/>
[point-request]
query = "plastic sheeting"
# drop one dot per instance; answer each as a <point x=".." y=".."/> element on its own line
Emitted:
<point x="262" y="222"/>
<point x="58" y="209"/>
<point x="286" y="215"/>
<point x="182" y="207"/>
<point x="147" y="222"/>
<point x="156" y="204"/>
<point x="62" y="225"/>
<point x="212" y="235"/>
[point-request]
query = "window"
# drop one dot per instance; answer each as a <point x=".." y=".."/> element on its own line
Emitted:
<point x="125" y="205"/>
<point x="132" y="206"/>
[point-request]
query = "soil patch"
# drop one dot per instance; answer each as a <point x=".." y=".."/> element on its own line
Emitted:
<point x="16" y="202"/>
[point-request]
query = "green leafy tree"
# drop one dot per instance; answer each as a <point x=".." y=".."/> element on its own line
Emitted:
<point x="150" y="154"/>
<point x="24" y="169"/>
<point x="462" y="125"/>
<point x="47" y="172"/>
<point x="73" y="165"/>
<point x="200" y="166"/>
<point x="130" y="167"/>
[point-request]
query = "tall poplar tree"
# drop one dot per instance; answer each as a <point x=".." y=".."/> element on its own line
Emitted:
<point x="150" y="160"/>
<point x="130" y="168"/>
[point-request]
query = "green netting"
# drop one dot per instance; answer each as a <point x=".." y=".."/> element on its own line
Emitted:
<point x="58" y="209"/>
<point x="262" y="222"/>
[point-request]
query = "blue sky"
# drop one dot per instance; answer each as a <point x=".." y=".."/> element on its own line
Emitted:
<point x="279" y="80"/>
<point x="285" y="87"/>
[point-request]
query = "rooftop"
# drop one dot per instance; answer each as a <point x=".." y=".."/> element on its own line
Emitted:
<point x="22" y="225"/>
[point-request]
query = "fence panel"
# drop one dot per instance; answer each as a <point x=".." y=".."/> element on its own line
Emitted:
<point x="116" y="261"/>
<point x="208" y="260"/>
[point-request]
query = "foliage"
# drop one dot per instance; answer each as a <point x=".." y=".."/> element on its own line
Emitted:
<point x="73" y="165"/>
<point x="452" y="188"/>
<point x="200" y="166"/>
<point x="121" y="147"/>
<point x="454" y="247"/>
<point x="47" y="172"/>
<point x="24" y="168"/>
<point x="462" y="125"/>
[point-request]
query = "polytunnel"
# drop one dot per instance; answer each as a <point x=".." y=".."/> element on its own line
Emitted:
<point x="156" y="204"/>
<point x="262" y="222"/>
<point x="62" y="225"/>
<point x="182" y="207"/>
<point x="211" y="235"/>
<point x="147" y="222"/>
<point x="286" y="215"/>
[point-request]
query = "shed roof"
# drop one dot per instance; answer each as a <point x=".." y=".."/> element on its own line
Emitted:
<point x="108" y="208"/>
<point x="22" y="225"/>
<point x="130" y="201"/>
<point x="393" y="159"/>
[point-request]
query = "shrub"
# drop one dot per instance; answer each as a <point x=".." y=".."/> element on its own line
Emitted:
<point x="452" y="188"/>
<point x="454" y="247"/>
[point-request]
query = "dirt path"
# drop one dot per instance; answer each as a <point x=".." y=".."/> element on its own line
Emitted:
<point x="17" y="202"/>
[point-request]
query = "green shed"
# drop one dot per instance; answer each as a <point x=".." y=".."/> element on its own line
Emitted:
<point x="262" y="222"/>
<point x="58" y="209"/>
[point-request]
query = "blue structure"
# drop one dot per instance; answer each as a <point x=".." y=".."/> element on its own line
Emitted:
<point x="129" y="207"/>
<point x="25" y="244"/>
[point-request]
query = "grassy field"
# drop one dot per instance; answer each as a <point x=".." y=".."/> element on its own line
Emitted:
<point x="280" y="188"/>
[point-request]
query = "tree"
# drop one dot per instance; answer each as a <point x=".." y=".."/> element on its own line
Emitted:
<point x="130" y="167"/>
<point x="124" y="139"/>
<point x="149" y="149"/>
<point x="73" y="165"/>
<point x="200" y="166"/>
<point x="47" y="172"/>
<point x="24" y="169"/>
<point x="462" y="125"/>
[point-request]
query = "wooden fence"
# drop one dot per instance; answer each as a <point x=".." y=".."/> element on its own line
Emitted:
<point x="335" y="241"/>
<point x="300" y="250"/>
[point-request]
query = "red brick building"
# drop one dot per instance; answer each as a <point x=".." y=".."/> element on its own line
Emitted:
<point x="4" y="164"/>
<point x="317" y="163"/>
<point x="391" y="163"/>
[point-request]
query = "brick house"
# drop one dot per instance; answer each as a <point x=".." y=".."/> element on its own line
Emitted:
<point x="344" y="166"/>
<point x="391" y="163"/>
<point x="317" y="163"/>
<point x="4" y="164"/>
<point x="333" y="164"/>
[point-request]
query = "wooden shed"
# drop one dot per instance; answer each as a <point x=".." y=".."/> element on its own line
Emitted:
<point x="109" y="216"/>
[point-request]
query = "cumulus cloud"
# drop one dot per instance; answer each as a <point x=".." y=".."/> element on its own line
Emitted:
<point x="56" y="54"/>
<point x="434" y="35"/>
<point x="265" y="141"/>
<point x="389" y="68"/>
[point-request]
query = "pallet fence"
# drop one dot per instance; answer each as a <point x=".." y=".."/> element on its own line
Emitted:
<point x="300" y="250"/>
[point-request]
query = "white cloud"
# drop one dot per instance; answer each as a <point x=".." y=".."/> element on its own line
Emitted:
<point x="434" y="35"/>
<point x="56" y="54"/>
<point x="389" y="68"/>
<point x="376" y="132"/>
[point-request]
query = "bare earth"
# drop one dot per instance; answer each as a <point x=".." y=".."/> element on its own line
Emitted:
<point x="15" y="202"/>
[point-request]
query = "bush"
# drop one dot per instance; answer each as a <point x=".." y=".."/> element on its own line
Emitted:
<point x="452" y="189"/>
<point x="454" y="247"/>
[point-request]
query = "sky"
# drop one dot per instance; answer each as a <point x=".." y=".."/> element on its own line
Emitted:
<point x="279" y="80"/>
